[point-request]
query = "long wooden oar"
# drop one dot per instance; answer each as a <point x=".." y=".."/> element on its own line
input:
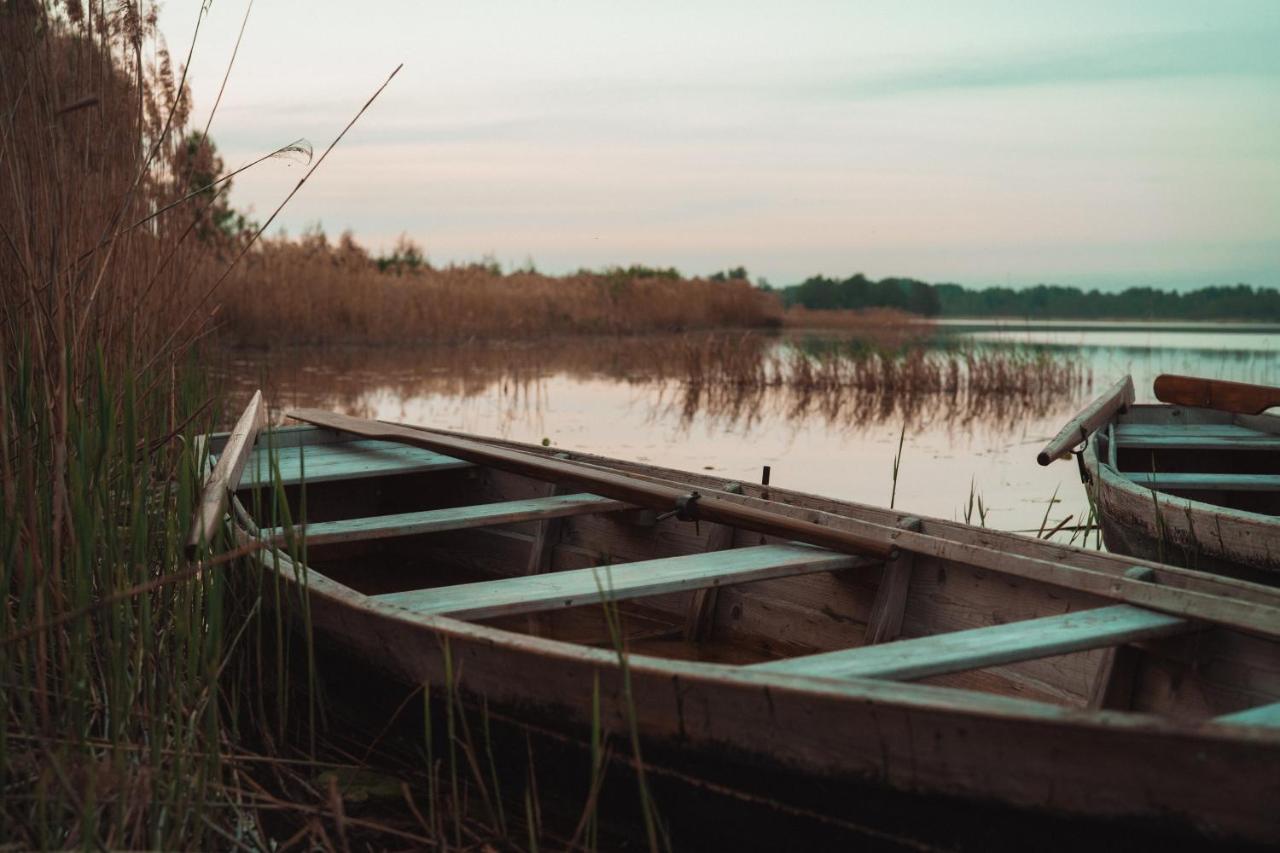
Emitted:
<point x="685" y="504"/>
<point x="1237" y="397"/>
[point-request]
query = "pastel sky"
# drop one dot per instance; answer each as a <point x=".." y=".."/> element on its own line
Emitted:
<point x="1099" y="144"/>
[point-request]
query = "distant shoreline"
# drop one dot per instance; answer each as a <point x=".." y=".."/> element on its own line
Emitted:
<point x="1119" y="324"/>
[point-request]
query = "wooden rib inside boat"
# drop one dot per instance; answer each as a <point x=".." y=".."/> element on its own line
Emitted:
<point x="792" y="635"/>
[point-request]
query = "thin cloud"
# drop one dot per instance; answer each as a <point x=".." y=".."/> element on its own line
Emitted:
<point x="1148" y="58"/>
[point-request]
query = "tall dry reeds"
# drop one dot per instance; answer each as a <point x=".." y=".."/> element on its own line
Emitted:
<point x="91" y="146"/>
<point x="111" y="644"/>
<point x="130" y="715"/>
<point x="309" y="290"/>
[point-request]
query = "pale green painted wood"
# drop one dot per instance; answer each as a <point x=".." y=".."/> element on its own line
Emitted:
<point x="1263" y="715"/>
<point x="959" y="651"/>
<point x="285" y="436"/>
<point x="1184" y="482"/>
<point x="452" y="518"/>
<point x="1194" y="437"/>
<point x="532" y="593"/>
<point x="348" y="460"/>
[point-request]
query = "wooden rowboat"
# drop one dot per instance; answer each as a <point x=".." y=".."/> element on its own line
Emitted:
<point x="789" y="636"/>
<point x="1194" y="481"/>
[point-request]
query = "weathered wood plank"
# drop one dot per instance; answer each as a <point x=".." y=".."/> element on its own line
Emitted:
<point x="1264" y="715"/>
<point x="984" y="647"/>
<point x="702" y="608"/>
<point x="1115" y="399"/>
<point x="226" y="474"/>
<point x="452" y="518"/>
<point x="1194" y="437"/>
<point x="885" y="622"/>
<point x="286" y="436"/>
<point x="1190" y="482"/>
<point x="534" y="593"/>
<point x="348" y="460"/>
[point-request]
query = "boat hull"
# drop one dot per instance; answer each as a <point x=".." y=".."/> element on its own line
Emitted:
<point x="1174" y="528"/>
<point x="1041" y="758"/>
<point x="904" y="737"/>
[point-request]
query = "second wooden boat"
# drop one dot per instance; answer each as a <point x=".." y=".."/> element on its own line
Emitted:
<point x="1194" y="480"/>
<point x="785" y="636"/>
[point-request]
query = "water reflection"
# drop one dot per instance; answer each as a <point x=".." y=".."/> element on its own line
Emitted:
<point x="823" y="410"/>
<point x="846" y="383"/>
<point x="738" y="381"/>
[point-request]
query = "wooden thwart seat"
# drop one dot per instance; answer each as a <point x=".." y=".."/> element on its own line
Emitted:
<point x="1193" y="437"/>
<point x="534" y="593"/>
<point x="1192" y="482"/>
<point x="452" y="518"/>
<point x="347" y="460"/>
<point x="1263" y="715"/>
<point x="959" y="651"/>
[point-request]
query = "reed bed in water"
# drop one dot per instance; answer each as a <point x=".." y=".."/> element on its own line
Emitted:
<point x="886" y="326"/>
<point x="737" y="378"/>
<point x="733" y="379"/>
<point x="336" y="294"/>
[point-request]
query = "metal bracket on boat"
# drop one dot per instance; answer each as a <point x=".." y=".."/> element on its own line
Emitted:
<point x="686" y="508"/>
<point x="1079" y="455"/>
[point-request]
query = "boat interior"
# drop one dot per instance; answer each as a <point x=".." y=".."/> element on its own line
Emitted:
<point x="1210" y="456"/>
<point x="437" y="535"/>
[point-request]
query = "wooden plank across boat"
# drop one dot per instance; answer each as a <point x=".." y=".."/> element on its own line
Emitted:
<point x="844" y="643"/>
<point x="1193" y="481"/>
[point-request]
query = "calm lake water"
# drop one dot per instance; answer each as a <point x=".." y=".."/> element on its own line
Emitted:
<point x="629" y="398"/>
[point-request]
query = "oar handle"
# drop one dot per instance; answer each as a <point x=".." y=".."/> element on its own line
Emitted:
<point x="1238" y="397"/>
<point x="1116" y="399"/>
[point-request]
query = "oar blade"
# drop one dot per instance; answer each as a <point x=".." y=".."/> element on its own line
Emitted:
<point x="1237" y="397"/>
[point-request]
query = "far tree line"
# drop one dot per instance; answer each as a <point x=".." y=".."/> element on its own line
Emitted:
<point x="1219" y="302"/>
